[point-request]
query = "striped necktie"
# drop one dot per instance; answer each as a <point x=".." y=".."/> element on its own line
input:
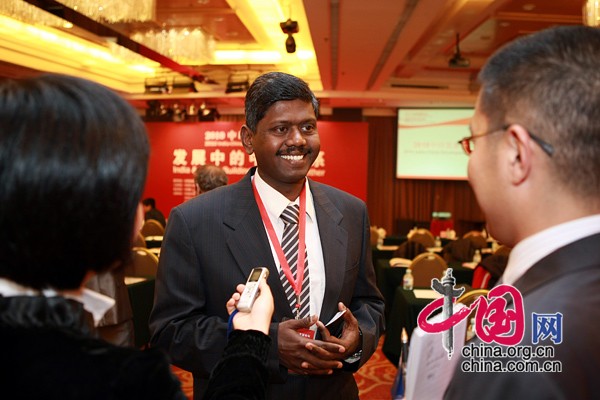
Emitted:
<point x="289" y="244"/>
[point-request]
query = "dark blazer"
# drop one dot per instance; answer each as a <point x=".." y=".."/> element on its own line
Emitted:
<point x="48" y="352"/>
<point x="566" y="281"/>
<point x="211" y="244"/>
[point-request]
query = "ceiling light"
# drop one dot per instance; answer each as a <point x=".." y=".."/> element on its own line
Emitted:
<point x="114" y="11"/>
<point x="591" y="13"/>
<point x="289" y="27"/>
<point x="186" y="46"/>
<point x="290" y="44"/>
<point x="237" y="83"/>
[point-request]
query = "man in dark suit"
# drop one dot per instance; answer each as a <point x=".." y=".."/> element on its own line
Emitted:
<point x="214" y="240"/>
<point x="535" y="170"/>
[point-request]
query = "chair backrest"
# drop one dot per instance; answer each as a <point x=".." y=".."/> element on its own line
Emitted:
<point x="477" y="238"/>
<point x="410" y="249"/>
<point x="427" y="266"/>
<point x="374" y="236"/>
<point x="467" y="299"/>
<point x="152" y="227"/>
<point x="423" y="236"/>
<point x="459" y="250"/>
<point x="503" y="250"/>
<point x="139" y="240"/>
<point x="143" y="263"/>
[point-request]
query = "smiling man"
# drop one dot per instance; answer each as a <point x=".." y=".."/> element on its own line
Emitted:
<point x="313" y="238"/>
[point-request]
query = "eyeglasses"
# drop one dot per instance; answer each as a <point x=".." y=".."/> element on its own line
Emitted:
<point x="468" y="146"/>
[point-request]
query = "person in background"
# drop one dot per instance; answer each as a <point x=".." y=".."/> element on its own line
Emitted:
<point x="209" y="177"/>
<point x="534" y="165"/>
<point x="214" y="240"/>
<point x="73" y="166"/>
<point x="151" y="212"/>
<point x="116" y="325"/>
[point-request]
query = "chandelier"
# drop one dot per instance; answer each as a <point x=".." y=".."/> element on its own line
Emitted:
<point x="111" y="11"/>
<point x="114" y="11"/>
<point x="22" y="11"/>
<point x="186" y="46"/>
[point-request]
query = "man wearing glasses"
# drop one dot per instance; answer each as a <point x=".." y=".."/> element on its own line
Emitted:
<point x="534" y="165"/>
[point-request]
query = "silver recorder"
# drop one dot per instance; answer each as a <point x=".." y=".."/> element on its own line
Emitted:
<point x="251" y="290"/>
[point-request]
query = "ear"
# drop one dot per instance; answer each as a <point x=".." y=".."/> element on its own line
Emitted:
<point x="246" y="136"/>
<point x="520" y="153"/>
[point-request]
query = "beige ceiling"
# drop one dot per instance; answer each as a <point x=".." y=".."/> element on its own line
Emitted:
<point x="369" y="53"/>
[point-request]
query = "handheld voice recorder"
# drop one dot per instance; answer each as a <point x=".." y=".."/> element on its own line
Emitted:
<point x="251" y="290"/>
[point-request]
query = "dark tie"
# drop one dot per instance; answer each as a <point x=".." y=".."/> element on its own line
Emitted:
<point x="289" y="244"/>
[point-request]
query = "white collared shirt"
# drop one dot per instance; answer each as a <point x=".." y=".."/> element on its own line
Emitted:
<point x="535" y="247"/>
<point x="95" y="303"/>
<point x="275" y="203"/>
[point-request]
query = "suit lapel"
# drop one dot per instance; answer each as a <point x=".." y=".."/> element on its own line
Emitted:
<point x="334" y="242"/>
<point x="248" y="242"/>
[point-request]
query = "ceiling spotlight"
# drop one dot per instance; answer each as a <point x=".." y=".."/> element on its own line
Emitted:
<point x="289" y="27"/>
<point x="290" y="44"/>
<point x="156" y="85"/>
<point x="237" y="83"/>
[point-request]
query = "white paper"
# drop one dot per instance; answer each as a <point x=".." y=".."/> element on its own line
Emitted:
<point x="335" y="317"/>
<point x="426" y="294"/>
<point x="428" y="370"/>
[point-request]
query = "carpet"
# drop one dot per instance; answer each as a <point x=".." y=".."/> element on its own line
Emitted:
<point x="374" y="379"/>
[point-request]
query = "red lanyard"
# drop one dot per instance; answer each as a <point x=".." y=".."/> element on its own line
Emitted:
<point x="297" y="285"/>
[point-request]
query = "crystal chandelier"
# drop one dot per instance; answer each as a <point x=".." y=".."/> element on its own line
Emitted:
<point x="114" y="11"/>
<point x="186" y="46"/>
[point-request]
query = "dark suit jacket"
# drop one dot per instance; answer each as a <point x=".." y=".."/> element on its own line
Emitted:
<point x="566" y="281"/>
<point x="211" y="244"/>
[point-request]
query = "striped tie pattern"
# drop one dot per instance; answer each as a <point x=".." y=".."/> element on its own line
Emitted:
<point x="289" y="244"/>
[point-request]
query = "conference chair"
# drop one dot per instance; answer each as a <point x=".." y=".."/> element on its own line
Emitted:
<point x="152" y="227"/>
<point x="503" y="250"/>
<point x="459" y="250"/>
<point x="139" y="240"/>
<point x="400" y="262"/>
<point x="477" y="238"/>
<point x="467" y="299"/>
<point x="143" y="263"/>
<point x="423" y="236"/>
<point x="427" y="266"/>
<point x="410" y="249"/>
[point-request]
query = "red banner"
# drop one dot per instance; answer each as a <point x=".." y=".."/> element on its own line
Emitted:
<point x="177" y="149"/>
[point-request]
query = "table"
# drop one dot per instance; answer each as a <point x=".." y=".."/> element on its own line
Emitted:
<point x="403" y="314"/>
<point x="141" y="297"/>
<point x="153" y="241"/>
<point x="389" y="278"/>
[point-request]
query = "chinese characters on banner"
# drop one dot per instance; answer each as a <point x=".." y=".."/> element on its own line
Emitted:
<point x="177" y="149"/>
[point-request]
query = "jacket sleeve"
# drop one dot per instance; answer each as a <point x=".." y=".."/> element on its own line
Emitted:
<point x="181" y="324"/>
<point x="367" y="303"/>
<point x="242" y="372"/>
